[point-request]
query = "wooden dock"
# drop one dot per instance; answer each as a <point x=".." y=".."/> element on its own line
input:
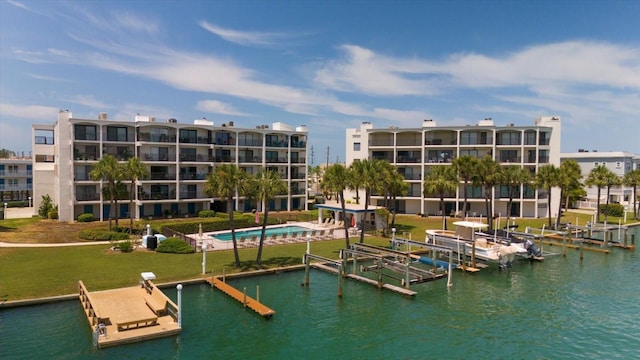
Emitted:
<point x="366" y="280"/>
<point x="247" y="301"/>
<point x="122" y="316"/>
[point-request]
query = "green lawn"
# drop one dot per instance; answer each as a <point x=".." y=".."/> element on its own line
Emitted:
<point x="37" y="272"/>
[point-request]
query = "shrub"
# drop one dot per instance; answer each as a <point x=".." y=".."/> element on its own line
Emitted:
<point x="52" y="214"/>
<point x="125" y="246"/>
<point x="174" y="246"/>
<point x="45" y="206"/>
<point x="206" y="213"/>
<point x="612" y="210"/>
<point x="86" y="217"/>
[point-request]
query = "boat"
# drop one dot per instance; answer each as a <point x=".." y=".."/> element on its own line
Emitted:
<point x="463" y="239"/>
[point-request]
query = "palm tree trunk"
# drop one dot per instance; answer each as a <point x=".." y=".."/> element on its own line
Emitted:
<point x="635" y="203"/>
<point x="262" y="236"/>
<point x="598" y="206"/>
<point x="607" y="203"/>
<point x="444" y="217"/>
<point x="549" y="205"/>
<point x="559" y="210"/>
<point x="344" y="217"/>
<point x="464" y="204"/>
<point x="366" y="207"/>
<point x="233" y="230"/>
<point x="131" y="189"/>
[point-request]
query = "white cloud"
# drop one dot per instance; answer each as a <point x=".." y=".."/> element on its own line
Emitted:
<point x="370" y="73"/>
<point x="88" y="101"/>
<point x="28" y="111"/>
<point x="218" y="107"/>
<point x="243" y="37"/>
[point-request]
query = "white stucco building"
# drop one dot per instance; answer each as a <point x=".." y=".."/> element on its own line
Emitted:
<point x="619" y="162"/>
<point x="415" y="150"/>
<point x="178" y="156"/>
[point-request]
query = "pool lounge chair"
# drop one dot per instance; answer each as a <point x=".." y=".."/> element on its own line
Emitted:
<point x="282" y="239"/>
<point x="272" y="240"/>
<point x="242" y="242"/>
<point x="293" y="238"/>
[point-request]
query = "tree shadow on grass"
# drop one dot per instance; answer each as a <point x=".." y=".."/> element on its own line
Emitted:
<point x="268" y="263"/>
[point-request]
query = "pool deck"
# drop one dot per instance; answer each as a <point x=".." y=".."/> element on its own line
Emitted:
<point x="126" y="314"/>
<point x="330" y="232"/>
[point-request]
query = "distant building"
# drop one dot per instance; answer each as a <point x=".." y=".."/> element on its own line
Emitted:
<point x="415" y="150"/>
<point x="16" y="179"/>
<point x="179" y="156"/>
<point x="619" y="162"/>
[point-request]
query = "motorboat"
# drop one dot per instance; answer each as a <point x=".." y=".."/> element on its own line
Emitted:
<point x="464" y="240"/>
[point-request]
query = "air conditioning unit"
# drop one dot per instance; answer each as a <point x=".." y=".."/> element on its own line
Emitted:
<point x="172" y="120"/>
<point x="102" y="116"/>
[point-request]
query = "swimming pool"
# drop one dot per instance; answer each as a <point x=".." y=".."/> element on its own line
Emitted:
<point x="226" y="235"/>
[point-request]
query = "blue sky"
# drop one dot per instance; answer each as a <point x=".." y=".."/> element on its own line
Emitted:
<point x="326" y="64"/>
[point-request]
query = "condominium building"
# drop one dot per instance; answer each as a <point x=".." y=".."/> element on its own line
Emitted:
<point x="414" y="151"/>
<point x="16" y="180"/>
<point x="619" y="162"/>
<point x="179" y="156"/>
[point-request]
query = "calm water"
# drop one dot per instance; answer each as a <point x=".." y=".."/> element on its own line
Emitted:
<point x="226" y="236"/>
<point x="558" y="309"/>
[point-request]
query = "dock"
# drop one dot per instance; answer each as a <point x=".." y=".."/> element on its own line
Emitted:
<point x="242" y="297"/>
<point x="128" y="315"/>
<point x="365" y="280"/>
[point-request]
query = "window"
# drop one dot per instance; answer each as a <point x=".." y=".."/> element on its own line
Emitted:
<point x="116" y="133"/>
<point x="188" y="136"/>
<point x="544" y="138"/>
<point x="530" y="138"/>
<point x="45" y="158"/>
<point x="86" y="132"/>
<point x="356" y="146"/>
<point x="618" y="165"/>
<point x="508" y="138"/>
<point x="13" y="169"/>
<point x="43" y="137"/>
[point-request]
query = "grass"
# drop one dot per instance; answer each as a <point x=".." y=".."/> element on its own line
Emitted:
<point x="37" y="272"/>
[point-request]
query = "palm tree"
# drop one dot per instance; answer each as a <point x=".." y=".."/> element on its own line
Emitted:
<point x="465" y="167"/>
<point x="487" y="175"/>
<point x="598" y="177"/>
<point x="367" y="173"/>
<point x="336" y="180"/>
<point x="632" y="179"/>
<point x="396" y="186"/>
<point x="109" y="170"/>
<point x="266" y="185"/>
<point x="134" y="170"/>
<point x="513" y="177"/>
<point x="226" y="181"/>
<point x="356" y="170"/>
<point x="440" y="181"/>
<point x="547" y="178"/>
<point x="569" y="175"/>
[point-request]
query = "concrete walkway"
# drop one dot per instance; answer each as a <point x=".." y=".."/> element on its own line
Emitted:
<point x="21" y="245"/>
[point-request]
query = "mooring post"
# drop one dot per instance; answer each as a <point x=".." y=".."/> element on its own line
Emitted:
<point x="258" y="293"/>
<point x="464" y="256"/>
<point x="244" y="296"/>
<point x="306" y="270"/>
<point x="380" y="273"/>
<point x="406" y="276"/>
<point x="340" y="282"/>
<point x="564" y="245"/>
<point x="449" y="284"/>
<point x="224" y="274"/>
<point x="179" y="287"/>
<point x="581" y="250"/>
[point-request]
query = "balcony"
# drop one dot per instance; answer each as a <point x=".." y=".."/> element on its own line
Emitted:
<point x="87" y="197"/>
<point x="189" y="176"/>
<point x="188" y="195"/>
<point x="161" y="138"/>
<point x="158" y="157"/>
<point x="250" y="159"/>
<point x="162" y="176"/>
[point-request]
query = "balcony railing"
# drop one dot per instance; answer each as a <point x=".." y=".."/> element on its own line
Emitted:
<point x="250" y="159"/>
<point x="87" y="197"/>
<point x="163" y="138"/>
<point x="193" y="176"/>
<point x="224" y="159"/>
<point x="158" y="157"/>
<point x="250" y="142"/>
<point x="188" y="194"/>
<point x="162" y="176"/>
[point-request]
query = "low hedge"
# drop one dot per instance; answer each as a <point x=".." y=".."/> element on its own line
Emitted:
<point x="102" y="235"/>
<point x="174" y="246"/>
<point x="218" y="224"/>
<point x="206" y="213"/>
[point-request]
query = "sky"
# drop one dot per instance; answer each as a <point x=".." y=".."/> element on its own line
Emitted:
<point x="329" y="65"/>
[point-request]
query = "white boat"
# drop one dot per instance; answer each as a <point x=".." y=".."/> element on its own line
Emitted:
<point x="463" y="239"/>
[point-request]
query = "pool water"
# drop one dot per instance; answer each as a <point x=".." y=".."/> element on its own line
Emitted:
<point x="226" y="236"/>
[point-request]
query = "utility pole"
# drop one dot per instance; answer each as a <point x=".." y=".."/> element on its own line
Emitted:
<point x="327" y="157"/>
